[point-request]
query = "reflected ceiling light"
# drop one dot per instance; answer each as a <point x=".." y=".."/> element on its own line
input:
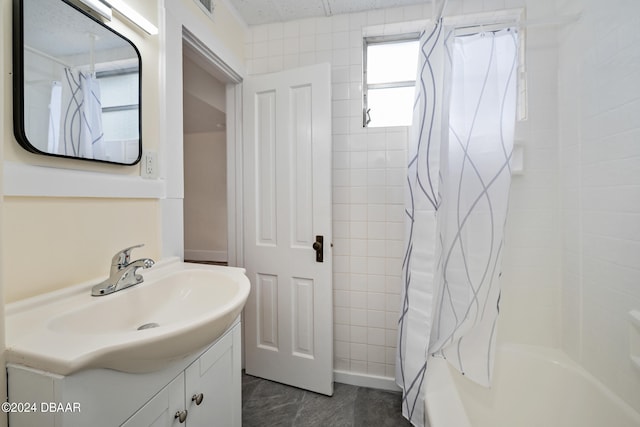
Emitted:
<point x="102" y="8"/>
<point x="133" y="16"/>
<point x="96" y="6"/>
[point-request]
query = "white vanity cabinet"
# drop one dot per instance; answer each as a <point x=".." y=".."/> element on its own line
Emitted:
<point x="109" y="398"/>
<point x="161" y="410"/>
<point x="209" y="390"/>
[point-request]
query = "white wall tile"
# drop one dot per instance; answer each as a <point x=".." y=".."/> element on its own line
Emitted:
<point x="341" y="315"/>
<point x="261" y="49"/>
<point x="376" y="340"/>
<point x="376" y="213"/>
<point x="376" y="369"/>
<point x="376" y="283"/>
<point x="259" y="33"/>
<point x="290" y="61"/>
<point x="375" y="17"/>
<point x="358" y="265"/>
<point x="291" y="30"/>
<point x="358" y="247"/>
<point x="376" y="318"/>
<point x="375" y="301"/>
<point x="323" y="25"/>
<point x="358" y="282"/>
<point x="341" y="348"/>
<point x="600" y="212"/>
<point x="275" y="48"/>
<point x="358" y="352"/>
<point x="358" y="334"/>
<point x="358" y="317"/>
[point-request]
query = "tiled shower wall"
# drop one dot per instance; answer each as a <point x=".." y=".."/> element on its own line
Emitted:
<point x="369" y="173"/>
<point x="600" y="158"/>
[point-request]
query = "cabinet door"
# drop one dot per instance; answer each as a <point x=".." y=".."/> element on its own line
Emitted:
<point x="160" y="411"/>
<point x="214" y="381"/>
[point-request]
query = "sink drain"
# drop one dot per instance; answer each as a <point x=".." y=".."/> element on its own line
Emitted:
<point x="148" y="326"/>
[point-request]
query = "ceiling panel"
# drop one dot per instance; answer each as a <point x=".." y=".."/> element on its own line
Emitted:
<point x="350" y="6"/>
<point x="256" y="12"/>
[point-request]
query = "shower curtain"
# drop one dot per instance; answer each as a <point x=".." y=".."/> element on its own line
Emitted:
<point x="456" y="206"/>
<point x="55" y="107"/>
<point x="82" y="124"/>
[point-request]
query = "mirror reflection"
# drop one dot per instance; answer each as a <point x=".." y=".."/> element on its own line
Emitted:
<point x="81" y="86"/>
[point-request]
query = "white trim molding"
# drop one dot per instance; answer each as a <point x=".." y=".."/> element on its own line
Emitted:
<point x="179" y="25"/>
<point x="22" y="179"/>
<point x="365" y="380"/>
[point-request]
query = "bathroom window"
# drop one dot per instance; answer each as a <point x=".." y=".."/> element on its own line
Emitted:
<point x="120" y="113"/>
<point x="389" y="77"/>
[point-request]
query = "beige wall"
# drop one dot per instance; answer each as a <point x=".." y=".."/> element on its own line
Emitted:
<point x="226" y="26"/>
<point x="52" y="242"/>
<point x="205" y="195"/>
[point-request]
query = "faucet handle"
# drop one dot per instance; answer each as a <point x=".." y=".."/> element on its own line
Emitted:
<point x="123" y="257"/>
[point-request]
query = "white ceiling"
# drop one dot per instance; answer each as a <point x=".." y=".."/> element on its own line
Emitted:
<point x="256" y="12"/>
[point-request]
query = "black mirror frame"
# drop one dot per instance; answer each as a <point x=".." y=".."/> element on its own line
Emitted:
<point x="18" y="84"/>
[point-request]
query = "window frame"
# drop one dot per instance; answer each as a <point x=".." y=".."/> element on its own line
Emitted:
<point x="108" y="73"/>
<point x="378" y="40"/>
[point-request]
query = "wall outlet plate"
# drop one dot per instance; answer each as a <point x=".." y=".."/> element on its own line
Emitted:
<point x="149" y="164"/>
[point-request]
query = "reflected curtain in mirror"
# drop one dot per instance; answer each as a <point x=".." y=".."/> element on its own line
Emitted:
<point x="81" y="114"/>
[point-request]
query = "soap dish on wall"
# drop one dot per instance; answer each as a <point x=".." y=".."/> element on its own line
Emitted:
<point x="517" y="159"/>
<point x="634" y="316"/>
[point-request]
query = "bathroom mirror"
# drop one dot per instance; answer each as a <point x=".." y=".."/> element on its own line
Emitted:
<point x="76" y="86"/>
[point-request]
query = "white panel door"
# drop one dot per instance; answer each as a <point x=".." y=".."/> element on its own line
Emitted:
<point x="287" y="200"/>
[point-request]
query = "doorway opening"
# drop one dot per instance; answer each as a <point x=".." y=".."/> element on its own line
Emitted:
<point x="205" y="161"/>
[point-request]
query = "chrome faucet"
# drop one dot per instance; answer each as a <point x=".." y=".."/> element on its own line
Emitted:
<point x="123" y="273"/>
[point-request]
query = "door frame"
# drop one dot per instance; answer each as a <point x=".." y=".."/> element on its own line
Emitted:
<point x="180" y="25"/>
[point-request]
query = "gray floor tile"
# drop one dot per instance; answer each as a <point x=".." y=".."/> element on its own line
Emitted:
<point x="379" y="408"/>
<point x="270" y="404"/>
<point x="318" y="410"/>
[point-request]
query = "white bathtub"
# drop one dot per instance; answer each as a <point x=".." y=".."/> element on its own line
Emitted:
<point x="533" y="386"/>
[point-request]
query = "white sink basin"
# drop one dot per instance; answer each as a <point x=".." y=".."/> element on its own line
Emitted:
<point x="177" y="310"/>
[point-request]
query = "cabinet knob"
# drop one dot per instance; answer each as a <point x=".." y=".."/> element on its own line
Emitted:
<point x="181" y="416"/>
<point x="197" y="398"/>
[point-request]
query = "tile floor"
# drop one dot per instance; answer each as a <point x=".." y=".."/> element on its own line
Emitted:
<point x="266" y="404"/>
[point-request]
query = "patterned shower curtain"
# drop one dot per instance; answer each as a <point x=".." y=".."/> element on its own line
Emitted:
<point x="82" y="134"/>
<point x="456" y="206"/>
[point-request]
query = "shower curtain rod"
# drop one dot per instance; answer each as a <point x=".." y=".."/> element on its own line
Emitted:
<point x="528" y="23"/>
<point x="46" y="56"/>
<point x="439" y="13"/>
<point x="551" y="21"/>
